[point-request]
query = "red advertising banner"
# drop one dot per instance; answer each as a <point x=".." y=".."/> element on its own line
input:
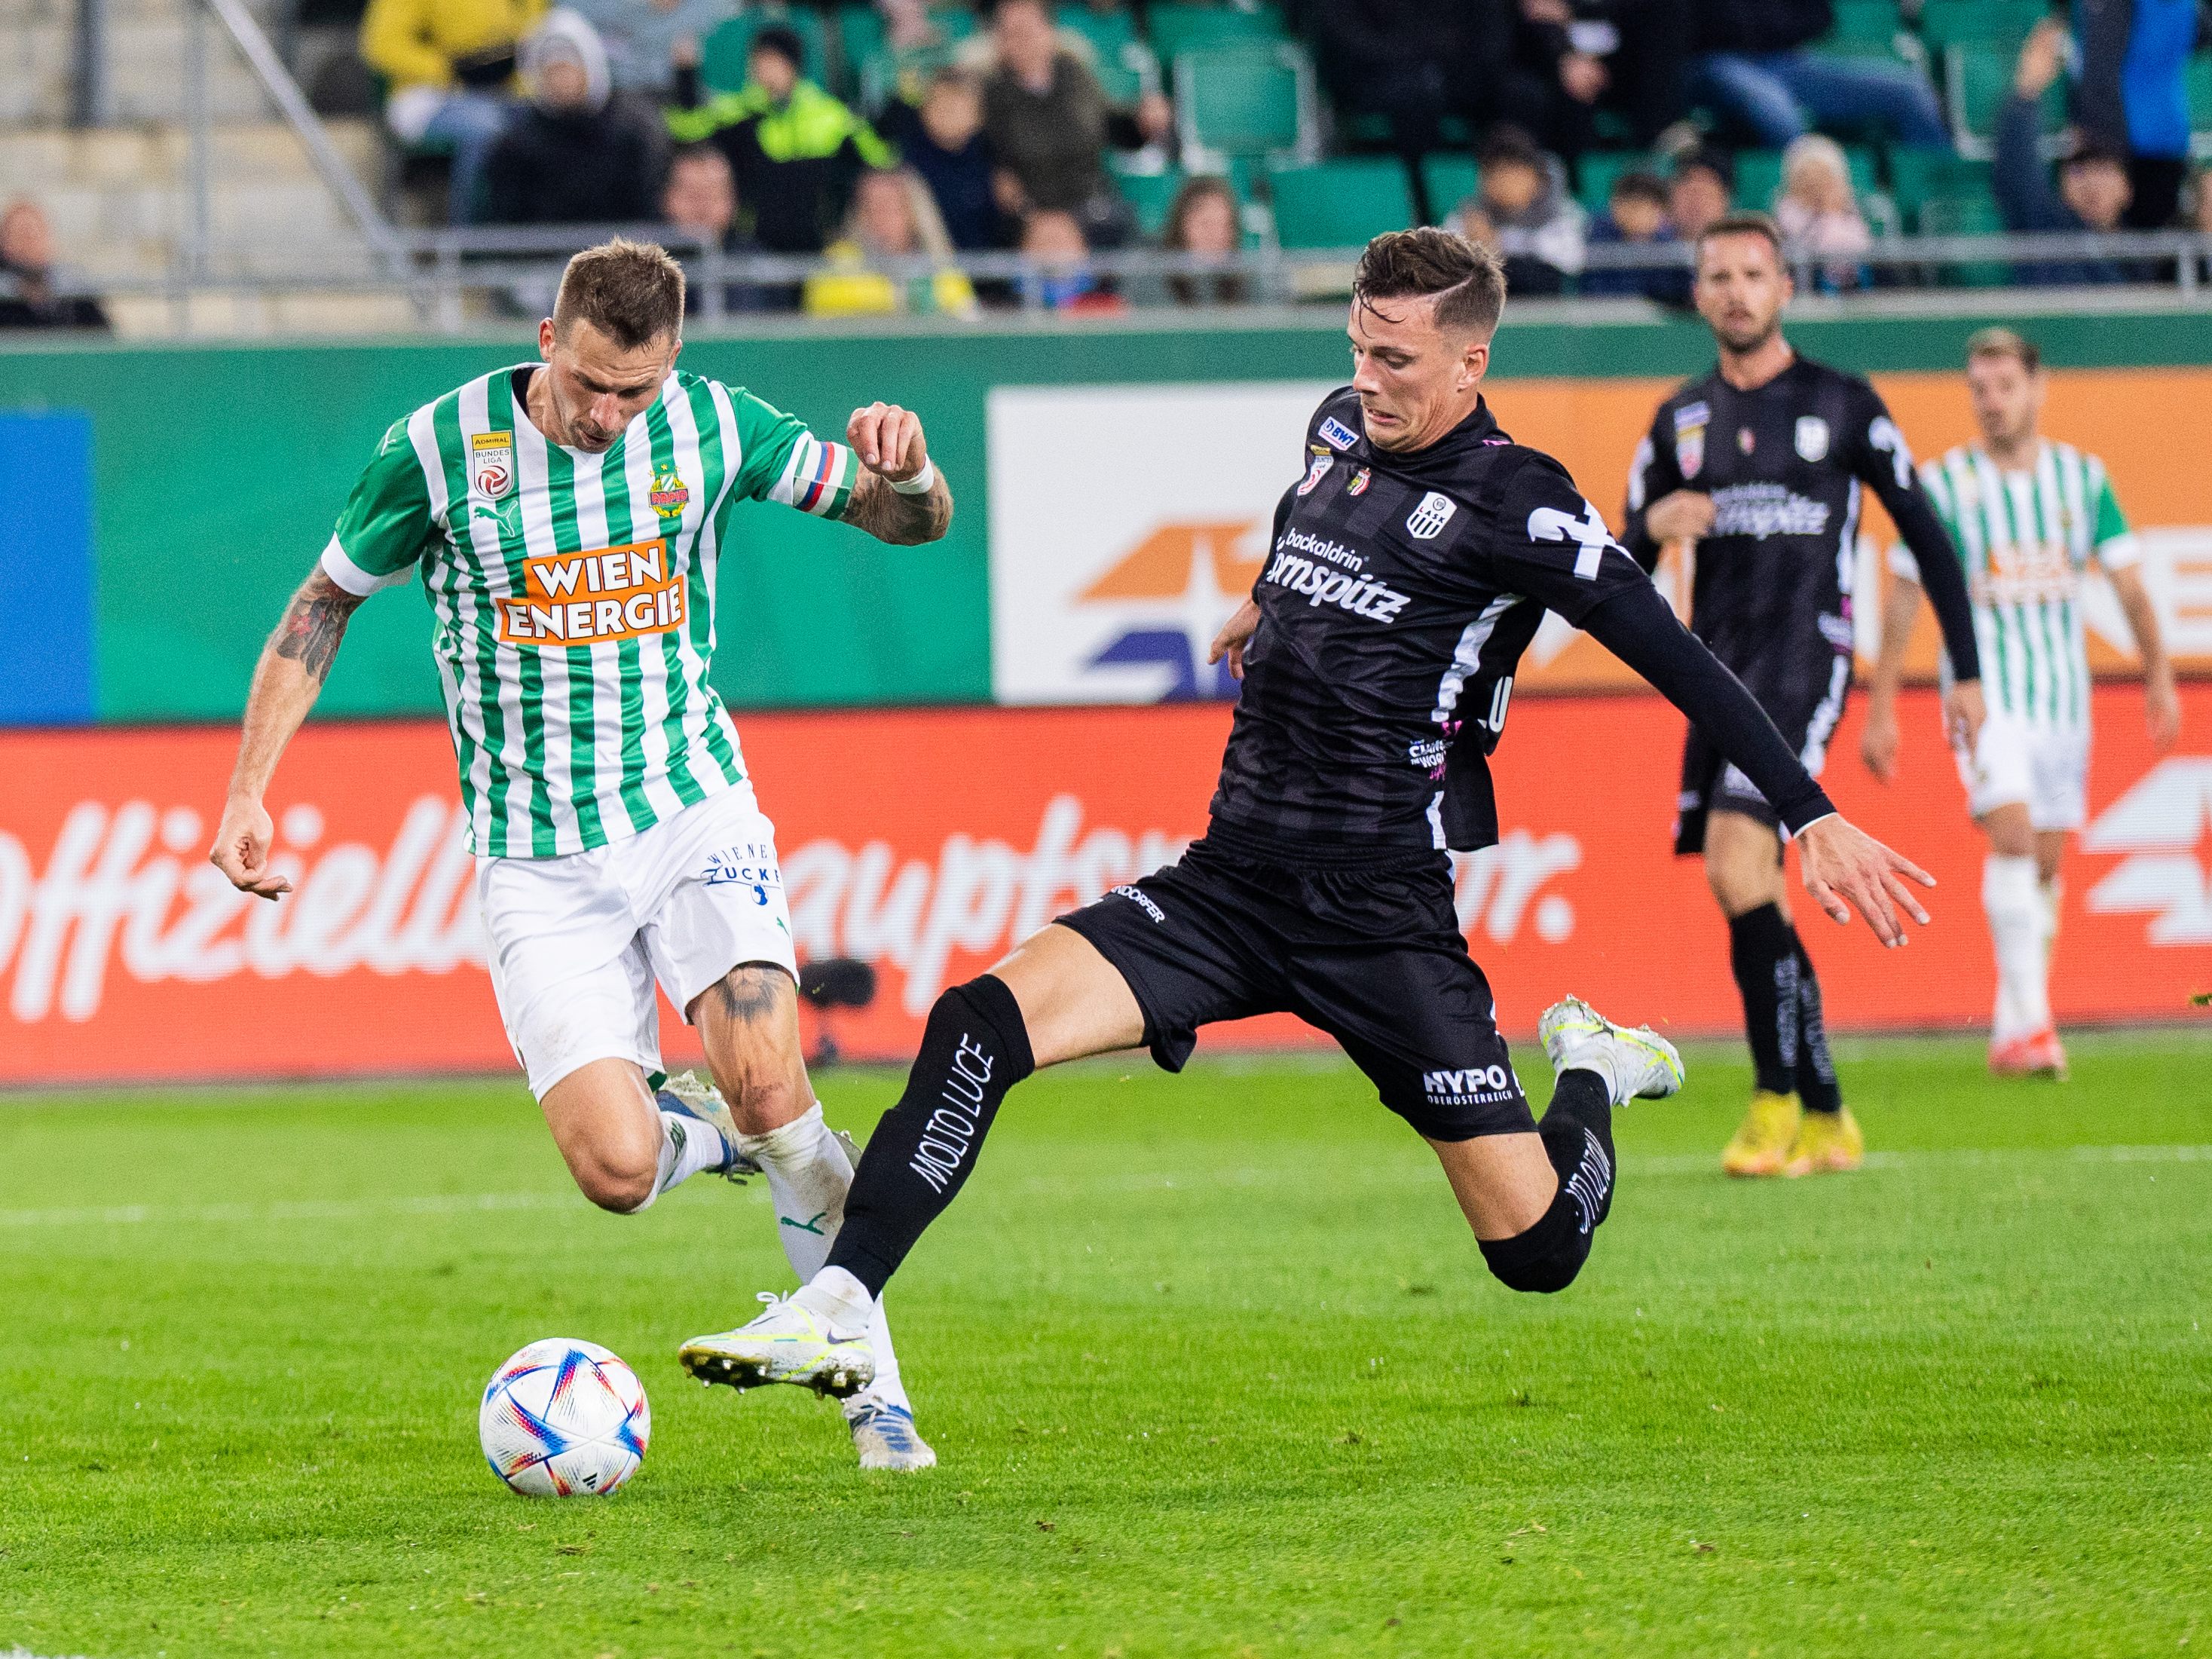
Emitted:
<point x="927" y="842"/>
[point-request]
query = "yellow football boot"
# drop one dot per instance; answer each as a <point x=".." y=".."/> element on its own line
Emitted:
<point x="1826" y="1144"/>
<point x="1763" y="1140"/>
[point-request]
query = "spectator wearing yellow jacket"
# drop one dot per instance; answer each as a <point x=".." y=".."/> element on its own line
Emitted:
<point x="450" y="67"/>
<point x="795" y="150"/>
<point x="893" y="256"/>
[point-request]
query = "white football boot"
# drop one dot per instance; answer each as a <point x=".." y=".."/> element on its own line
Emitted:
<point x="1636" y="1065"/>
<point x="885" y="1435"/>
<point x="789" y="1342"/>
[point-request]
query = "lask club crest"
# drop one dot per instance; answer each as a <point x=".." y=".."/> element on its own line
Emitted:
<point x="1690" y="438"/>
<point x="491" y="463"/>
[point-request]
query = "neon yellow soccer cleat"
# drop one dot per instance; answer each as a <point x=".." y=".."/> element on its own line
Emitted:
<point x="1827" y="1143"/>
<point x="1763" y="1140"/>
<point x="788" y="1343"/>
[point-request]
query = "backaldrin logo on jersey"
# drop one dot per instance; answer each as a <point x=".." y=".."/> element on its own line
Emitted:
<point x="592" y="598"/>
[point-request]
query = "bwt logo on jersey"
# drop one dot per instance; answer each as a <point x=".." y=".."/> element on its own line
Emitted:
<point x="1322" y="585"/>
<point x="1336" y="434"/>
<point x="751" y="866"/>
<point x="1760" y="510"/>
<point x="1476" y="1085"/>
<point x="594" y="598"/>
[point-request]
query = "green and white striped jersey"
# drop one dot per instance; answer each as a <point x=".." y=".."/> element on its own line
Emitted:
<point x="574" y="595"/>
<point x="2026" y="538"/>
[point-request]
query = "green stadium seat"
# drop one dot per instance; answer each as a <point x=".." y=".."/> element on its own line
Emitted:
<point x="1247" y="100"/>
<point x="1111" y="34"/>
<point x="1948" y="23"/>
<point x="722" y="54"/>
<point x="1977" y="79"/>
<point x="1866" y="20"/>
<point x="1341" y="204"/>
<point x="1177" y="29"/>
<point x="1758" y="175"/>
<point x="1599" y="168"/>
<point x="1149" y="196"/>
<point x="1920" y="176"/>
<point x="2198" y="78"/>
<point x="1967" y="215"/>
<point x="1451" y="179"/>
<point x="860" y="37"/>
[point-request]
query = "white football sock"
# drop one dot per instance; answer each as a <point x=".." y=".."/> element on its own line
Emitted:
<point x="2050" y="897"/>
<point x="2015" y="913"/>
<point x="687" y="1146"/>
<point x="808" y="1175"/>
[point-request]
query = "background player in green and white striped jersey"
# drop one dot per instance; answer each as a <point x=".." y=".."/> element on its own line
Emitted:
<point x="566" y="519"/>
<point x="2028" y="516"/>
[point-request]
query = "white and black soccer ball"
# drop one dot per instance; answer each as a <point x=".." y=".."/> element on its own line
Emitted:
<point x="564" y="1418"/>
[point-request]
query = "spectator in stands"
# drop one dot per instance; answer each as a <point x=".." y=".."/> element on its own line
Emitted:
<point x="27" y="299"/>
<point x="700" y="198"/>
<point x="1400" y="60"/>
<point x="2133" y="96"/>
<point x="650" y="42"/>
<point x="1701" y="189"/>
<point x="1635" y="217"/>
<point x="893" y="256"/>
<point x="1050" y="123"/>
<point x="577" y="154"/>
<point x="1202" y="222"/>
<point x="450" y="67"/>
<point x="1557" y="74"/>
<point x="944" y="140"/>
<point x="1057" y="274"/>
<point x="1753" y="66"/>
<point x="2092" y="192"/>
<point x="1819" y="213"/>
<point x="1522" y="209"/>
<point x="793" y="149"/>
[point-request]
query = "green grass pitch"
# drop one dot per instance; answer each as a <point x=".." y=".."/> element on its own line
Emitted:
<point x="1211" y="1361"/>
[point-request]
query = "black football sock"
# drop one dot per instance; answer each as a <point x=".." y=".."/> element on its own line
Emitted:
<point x="1577" y="1134"/>
<point x="1763" y="951"/>
<point x="974" y="1048"/>
<point x="1816" y="1070"/>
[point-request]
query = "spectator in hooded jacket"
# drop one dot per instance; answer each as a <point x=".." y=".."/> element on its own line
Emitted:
<point x="450" y="65"/>
<point x="577" y="155"/>
<point x="795" y="150"/>
<point x="1751" y="65"/>
<point x="1635" y="217"/>
<point x="1522" y="209"/>
<point x="2092" y="192"/>
<point x="944" y="140"/>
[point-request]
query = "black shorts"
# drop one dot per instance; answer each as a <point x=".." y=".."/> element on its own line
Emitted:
<point x="1373" y="956"/>
<point x="1804" y="706"/>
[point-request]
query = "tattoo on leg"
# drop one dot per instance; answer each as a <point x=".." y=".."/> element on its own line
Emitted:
<point x="750" y="993"/>
<point x="314" y="623"/>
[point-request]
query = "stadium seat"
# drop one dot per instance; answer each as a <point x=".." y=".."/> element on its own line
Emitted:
<point x="1918" y="177"/>
<point x="2198" y="78"/>
<point x="1948" y="23"/>
<point x="1110" y="34"/>
<point x="722" y="54"/>
<point x="1247" y="100"/>
<point x="1874" y="21"/>
<point x="1977" y="78"/>
<point x="860" y="39"/>
<point x="1451" y="179"/>
<point x="1177" y="29"/>
<point x="1599" y="168"/>
<point x="1340" y="203"/>
<point x="1758" y="175"/>
<point x="1149" y="196"/>
<point x="1967" y="215"/>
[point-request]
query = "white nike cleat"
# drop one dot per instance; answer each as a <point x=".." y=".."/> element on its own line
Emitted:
<point x="884" y="1436"/>
<point x="788" y="1343"/>
<point x="1636" y="1065"/>
<point x="687" y="1095"/>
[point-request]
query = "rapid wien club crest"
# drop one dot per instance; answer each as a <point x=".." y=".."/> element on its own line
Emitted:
<point x="491" y="463"/>
<point x="670" y="495"/>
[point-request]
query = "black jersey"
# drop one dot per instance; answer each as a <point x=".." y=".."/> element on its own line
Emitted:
<point x="1785" y="464"/>
<point x="1397" y="598"/>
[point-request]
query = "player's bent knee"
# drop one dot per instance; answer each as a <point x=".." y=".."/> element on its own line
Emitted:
<point x="1547" y="1256"/>
<point x="623" y="1192"/>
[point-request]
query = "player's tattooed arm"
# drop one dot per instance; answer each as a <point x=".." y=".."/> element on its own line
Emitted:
<point x="314" y="624"/>
<point x="901" y="520"/>
<point x="892" y="452"/>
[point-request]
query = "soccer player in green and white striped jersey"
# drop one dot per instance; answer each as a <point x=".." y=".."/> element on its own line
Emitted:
<point x="2028" y="516"/>
<point x="566" y="519"/>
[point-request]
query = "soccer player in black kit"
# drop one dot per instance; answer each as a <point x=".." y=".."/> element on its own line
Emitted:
<point x="1760" y="463"/>
<point x="1409" y="569"/>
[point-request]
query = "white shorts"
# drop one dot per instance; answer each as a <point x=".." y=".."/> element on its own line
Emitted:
<point x="577" y="943"/>
<point x="2044" y="768"/>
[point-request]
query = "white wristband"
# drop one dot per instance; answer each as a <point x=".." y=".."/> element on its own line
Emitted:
<point x="920" y="484"/>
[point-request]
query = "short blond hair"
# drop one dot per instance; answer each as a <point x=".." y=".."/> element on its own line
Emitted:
<point x="631" y="292"/>
<point x="2004" y="343"/>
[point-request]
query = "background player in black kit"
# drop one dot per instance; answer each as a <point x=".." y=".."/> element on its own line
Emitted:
<point x="1409" y="569"/>
<point x="1760" y="463"/>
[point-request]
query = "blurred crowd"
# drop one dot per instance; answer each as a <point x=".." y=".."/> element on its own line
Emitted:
<point x="1594" y="124"/>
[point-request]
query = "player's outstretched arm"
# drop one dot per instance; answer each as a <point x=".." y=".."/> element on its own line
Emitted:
<point x="901" y="498"/>
<point x="286" y="681"/>
<point x="2162" y="698"/>
<point x="1880" y="743"/>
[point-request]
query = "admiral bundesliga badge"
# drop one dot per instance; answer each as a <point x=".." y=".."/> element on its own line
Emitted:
<point x="491" y="463"/>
